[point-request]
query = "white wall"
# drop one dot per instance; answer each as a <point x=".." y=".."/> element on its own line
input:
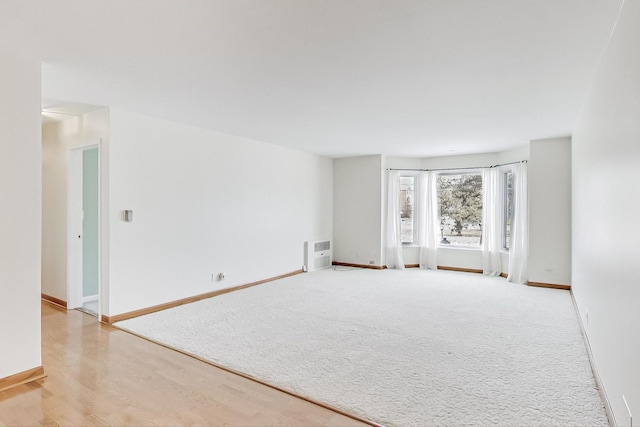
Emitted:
<point x="514" y="155"/>
<point x="20" y="214"/>
<point x="550" y="211"/>
<point x="606" y="173"/>
<point x="462" y="161"/>
<point x="204" y="203"/>
<point x="357" y="217"/>
<point x="58" y="138"/>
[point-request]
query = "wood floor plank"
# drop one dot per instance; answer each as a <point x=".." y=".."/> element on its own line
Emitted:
<point x="99" y="375"/>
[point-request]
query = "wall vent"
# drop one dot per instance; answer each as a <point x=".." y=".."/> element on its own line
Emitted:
<point x="317" y="254"/>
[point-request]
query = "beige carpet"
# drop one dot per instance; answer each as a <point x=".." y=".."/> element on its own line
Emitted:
<point x="404" y="348"/>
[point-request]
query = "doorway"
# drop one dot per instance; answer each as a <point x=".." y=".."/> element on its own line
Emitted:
<point x="84" y="225"/>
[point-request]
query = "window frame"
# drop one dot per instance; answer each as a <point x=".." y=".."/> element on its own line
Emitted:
<point x="506" y="218"/>
<point x="470" y="171"/>
<point x="506" y="171"/>
<point x="414" y="175"/>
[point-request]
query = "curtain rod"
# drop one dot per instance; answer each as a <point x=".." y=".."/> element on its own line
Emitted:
<point x="456" y="169"/>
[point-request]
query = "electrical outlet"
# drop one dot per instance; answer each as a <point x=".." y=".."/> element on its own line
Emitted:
<point x="629" y="417"/>
<point x="371" y="262"/>
<point x="221" y="276"/>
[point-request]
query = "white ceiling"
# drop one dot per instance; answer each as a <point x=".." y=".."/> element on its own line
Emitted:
<point x="335" y="77"/>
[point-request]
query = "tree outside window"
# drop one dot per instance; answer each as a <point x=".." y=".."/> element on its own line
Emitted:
<point x="508" y="208"/>
<point x="460" y="203"/>
<point x="407" y="198"/>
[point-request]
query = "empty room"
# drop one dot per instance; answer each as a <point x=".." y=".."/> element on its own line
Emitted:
<point x="319" y="212"/>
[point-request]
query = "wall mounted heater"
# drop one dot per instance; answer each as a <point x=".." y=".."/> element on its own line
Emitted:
<point x="317" y="254"/>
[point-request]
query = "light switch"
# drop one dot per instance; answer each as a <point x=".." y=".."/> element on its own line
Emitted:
<point x="128" y="215"/>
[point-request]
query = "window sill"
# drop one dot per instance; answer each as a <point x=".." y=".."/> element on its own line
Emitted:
<point x="461" y="248"/>
<point x="457" y="247"/>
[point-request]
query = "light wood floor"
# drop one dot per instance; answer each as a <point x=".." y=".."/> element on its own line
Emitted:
<point x="99" y="375"/>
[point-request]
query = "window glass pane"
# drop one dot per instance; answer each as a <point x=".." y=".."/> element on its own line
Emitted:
<point x="460" y="203"/>
<point x="406" y="209"/>
<point x="508" y="207"/>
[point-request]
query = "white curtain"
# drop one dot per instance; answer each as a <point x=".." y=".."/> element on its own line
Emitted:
<point x="519" y="245"/>
<point x="427" y="220"/>
<point x="492" y="221"/>
<point x="394" y="237"/>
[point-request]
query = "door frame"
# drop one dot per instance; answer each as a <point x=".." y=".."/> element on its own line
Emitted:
<point x="74" y="227"/>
